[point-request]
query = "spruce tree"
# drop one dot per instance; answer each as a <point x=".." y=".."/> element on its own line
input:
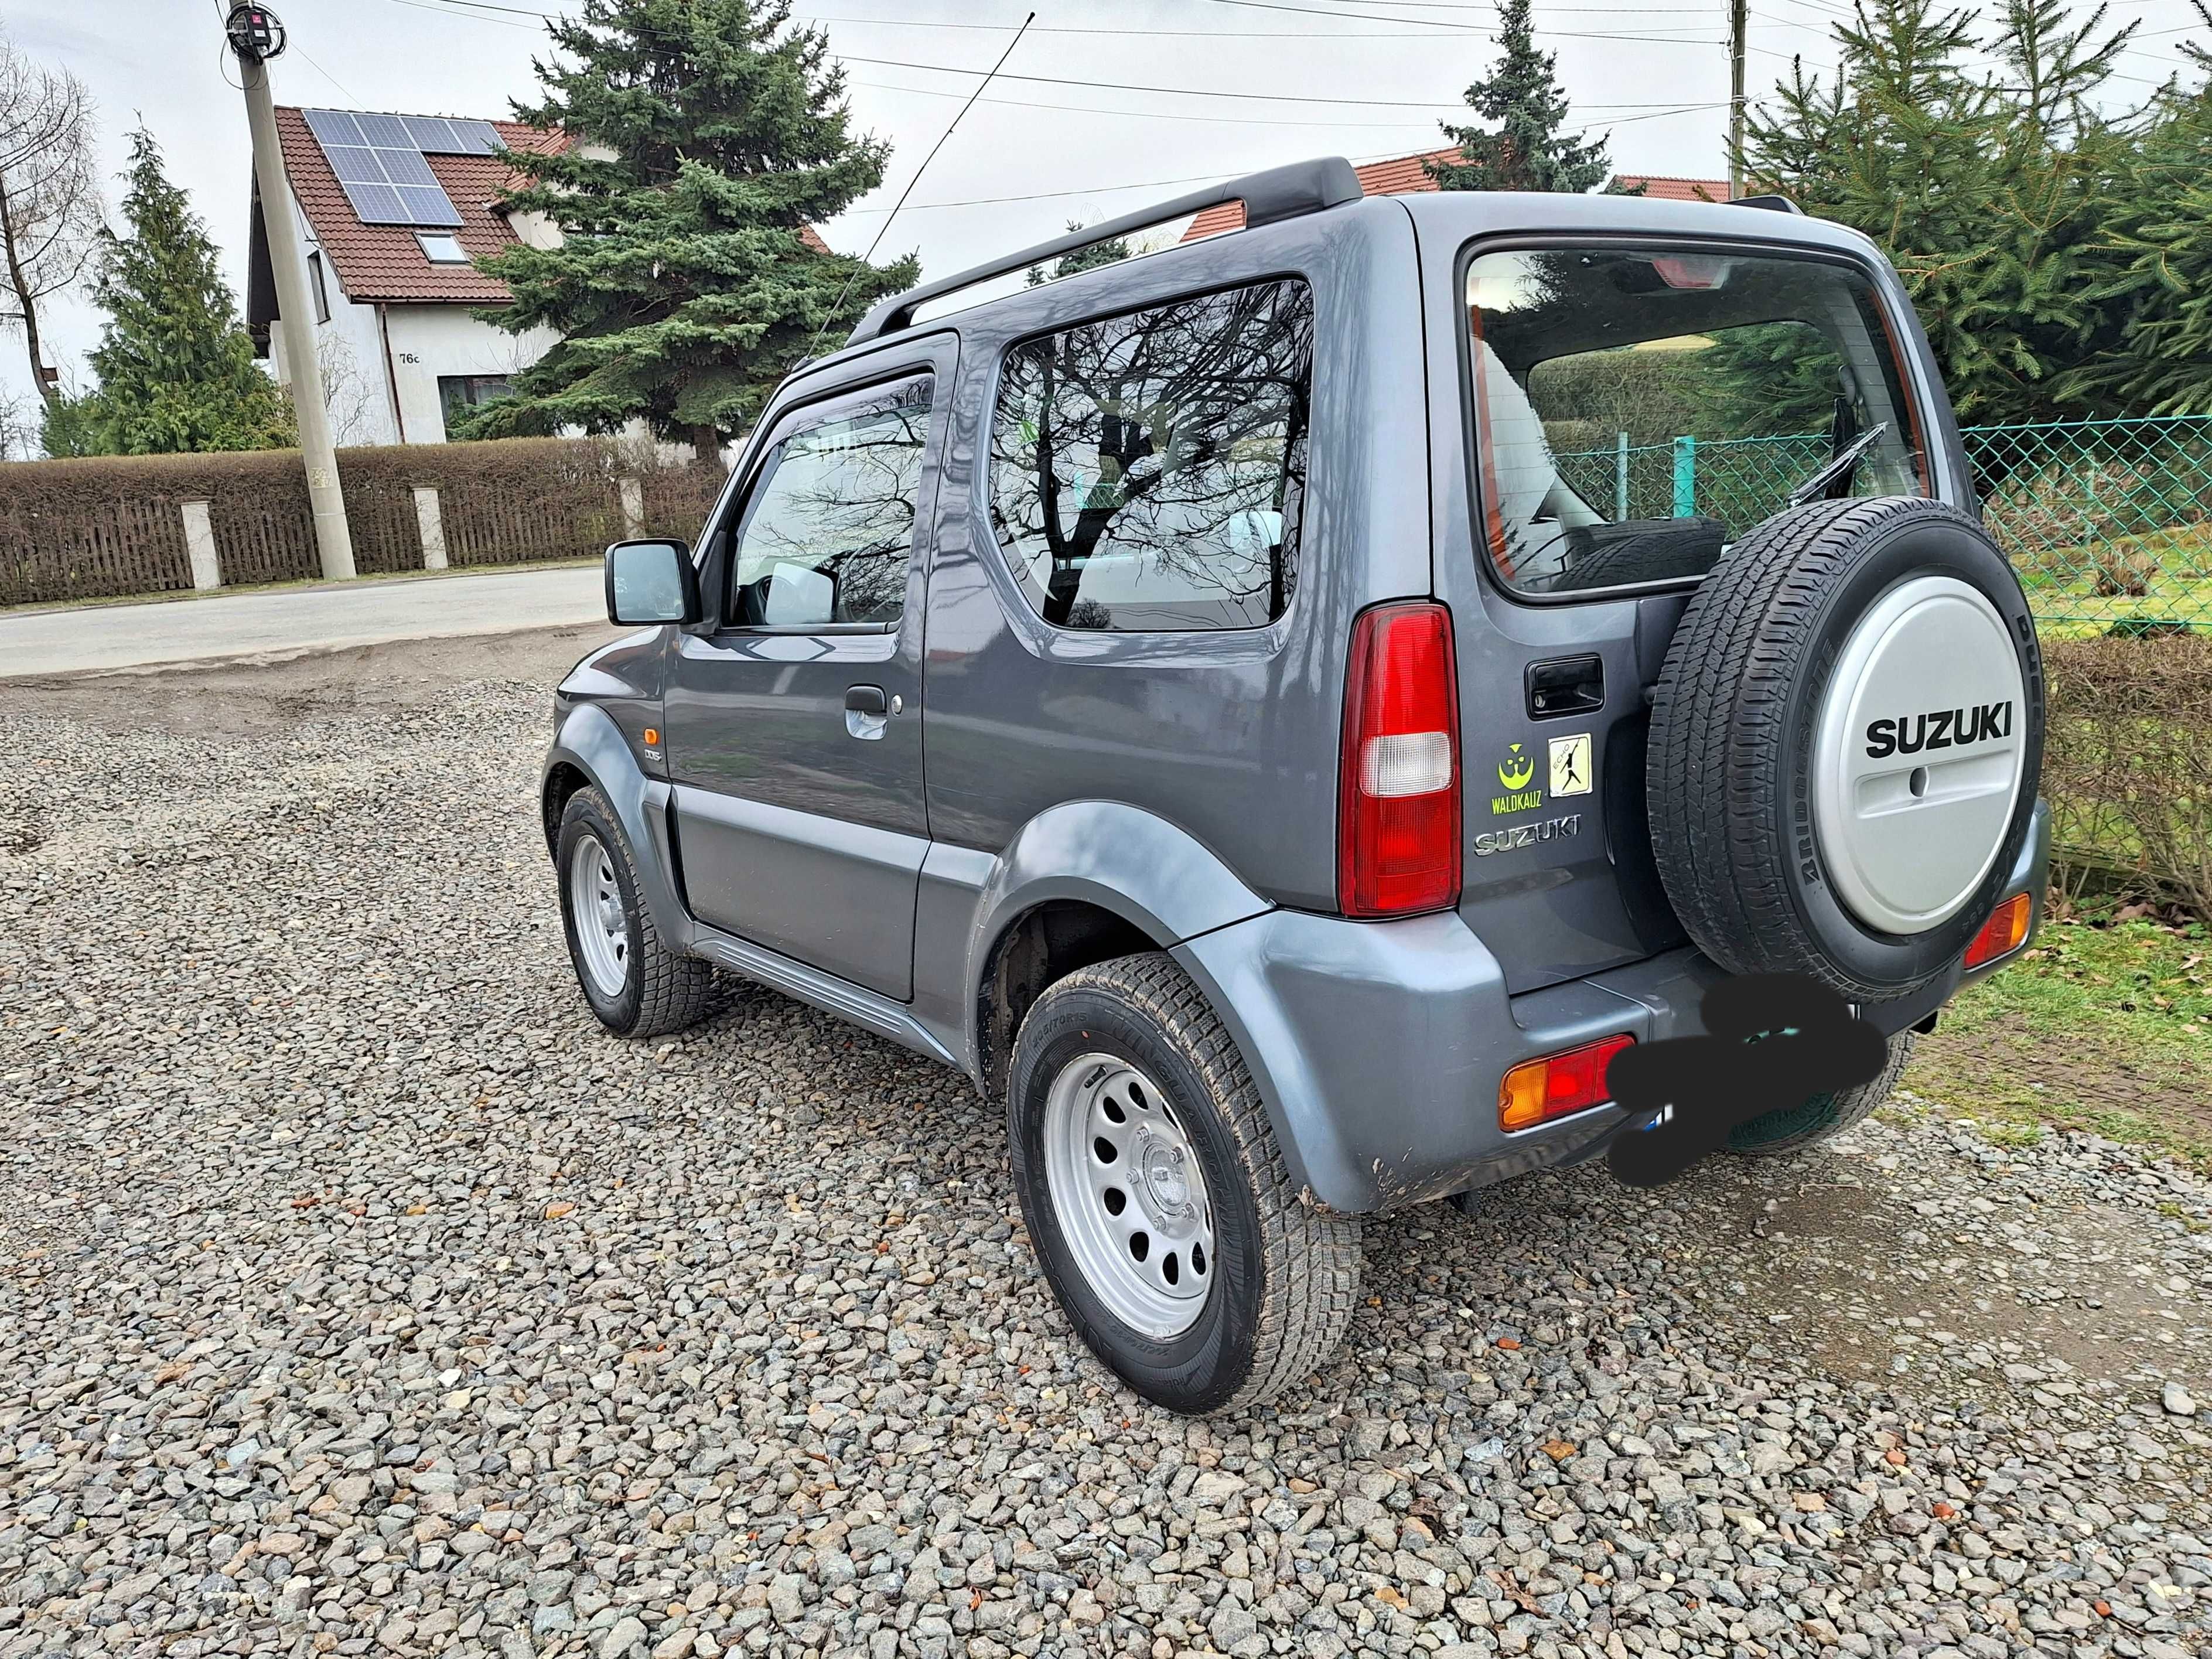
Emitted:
<point x="1526" y="147"/>
<point x="1987" y="193"/>
<point x="2157" y="254"/>
<point x="176" y="368"/>
<point x="1112" y="251"/>
<point x="705" y="136"/>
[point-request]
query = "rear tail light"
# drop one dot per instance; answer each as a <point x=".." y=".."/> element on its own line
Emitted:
<point x="1398" y="812"/>
<point x="2002" y="933"/>
<point x="1537" y="1090"/>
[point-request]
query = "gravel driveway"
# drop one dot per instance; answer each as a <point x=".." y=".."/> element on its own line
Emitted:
<point x="356" y="1294"/>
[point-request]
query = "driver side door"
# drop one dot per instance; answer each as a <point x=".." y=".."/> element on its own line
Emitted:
<point x="794" y="719"/>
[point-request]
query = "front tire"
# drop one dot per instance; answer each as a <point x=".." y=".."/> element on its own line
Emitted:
<point x="1157" y="1198"/>
<point x="636" y="985"/>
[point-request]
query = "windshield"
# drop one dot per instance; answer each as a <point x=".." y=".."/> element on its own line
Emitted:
<point x="1638" y="410"/>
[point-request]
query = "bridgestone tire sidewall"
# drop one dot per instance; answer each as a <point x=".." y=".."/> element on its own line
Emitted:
<point x="1199" y="1369"/>
<point x="1831" y="943"/>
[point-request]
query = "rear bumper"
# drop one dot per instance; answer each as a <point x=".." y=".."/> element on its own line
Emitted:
<point x="1378" y="1046"/>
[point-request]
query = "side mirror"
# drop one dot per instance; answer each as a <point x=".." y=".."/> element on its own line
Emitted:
<point x="651" y="582"/>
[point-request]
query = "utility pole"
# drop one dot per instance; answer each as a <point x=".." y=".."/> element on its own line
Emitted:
<point x="1739" y="12"/>
<point x="255" y="36"/>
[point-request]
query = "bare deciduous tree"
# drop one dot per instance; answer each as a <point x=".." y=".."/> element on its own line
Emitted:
<point x="19" y="429"/>
<point x="49" y="218"/>
<point x="346" y="392"/>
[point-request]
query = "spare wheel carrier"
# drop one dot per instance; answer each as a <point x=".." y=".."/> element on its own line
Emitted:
<point x="1845" y="744"/>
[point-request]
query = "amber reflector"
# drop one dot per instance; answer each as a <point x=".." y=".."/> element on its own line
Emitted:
<point x="1537" y="1090"/>
<point x="2002" y="933"/>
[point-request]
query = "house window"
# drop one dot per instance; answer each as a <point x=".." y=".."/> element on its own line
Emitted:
<point x="441" y="249"/>
<point x="322" y="292"/>
<point x="458" y="393"/>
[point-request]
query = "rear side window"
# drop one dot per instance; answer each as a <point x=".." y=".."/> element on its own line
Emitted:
<point x="1147" y="470"/>
<point x="1636" y="411"/>
<point x="829" y="529"/>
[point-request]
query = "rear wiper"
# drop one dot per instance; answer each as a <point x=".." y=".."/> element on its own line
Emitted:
<point x="1835" y="477"/>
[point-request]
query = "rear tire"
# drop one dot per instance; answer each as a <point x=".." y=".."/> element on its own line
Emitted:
<point x="635" y="984"/>
<point x="1173" y="1125"/>
<point x="1822" y="1118"/>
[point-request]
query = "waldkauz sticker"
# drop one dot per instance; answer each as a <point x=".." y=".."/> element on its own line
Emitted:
<point x="1517" y="772"/>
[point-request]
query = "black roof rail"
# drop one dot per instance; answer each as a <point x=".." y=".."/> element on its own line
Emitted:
<point x="1284" y="192"/>
<point x="1771" y="204"/>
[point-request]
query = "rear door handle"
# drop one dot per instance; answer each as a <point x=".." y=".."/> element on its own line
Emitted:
<point x="867" y="712"/>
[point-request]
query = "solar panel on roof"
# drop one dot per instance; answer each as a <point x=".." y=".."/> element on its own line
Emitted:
<point x="380" y="167"/>
<point x="407" y="166"/>
<point x="483" y="135"/>
<point x="354" y="165"/>
<point x="334" y="126"/>
<point x="432" y="135"/>
<point x="386" y="131"/>
<point x="377" y="204"/>
<point x="427" y="205"/>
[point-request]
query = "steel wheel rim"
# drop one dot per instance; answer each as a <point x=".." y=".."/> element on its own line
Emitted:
<point x="595" y="907"/>
<point x="1129" y="1194"/>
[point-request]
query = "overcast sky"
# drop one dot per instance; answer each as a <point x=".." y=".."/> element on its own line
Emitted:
<point x="1259" y="81"/>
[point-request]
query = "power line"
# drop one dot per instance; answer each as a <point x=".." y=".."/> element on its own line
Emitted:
<point x="1204" y="91"/>
<point x="1215" y="35"/>
<point x="444" y="9"/>
<point x="949" y="126"/>
<point x="1162" y="115"/>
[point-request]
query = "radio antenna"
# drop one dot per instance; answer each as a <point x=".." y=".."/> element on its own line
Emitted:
<point x="886" y="225"/>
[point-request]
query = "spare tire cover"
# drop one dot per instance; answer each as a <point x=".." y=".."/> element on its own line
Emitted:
<point x="1845" y="744"/>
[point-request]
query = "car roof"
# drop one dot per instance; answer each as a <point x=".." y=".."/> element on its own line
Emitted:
<point x="1453" y="216"/>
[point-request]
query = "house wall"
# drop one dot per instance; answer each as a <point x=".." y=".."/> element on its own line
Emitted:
<point x="426" y="341"/>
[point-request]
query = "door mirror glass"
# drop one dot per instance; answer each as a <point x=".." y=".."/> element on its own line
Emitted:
<point x="650" y="582"/>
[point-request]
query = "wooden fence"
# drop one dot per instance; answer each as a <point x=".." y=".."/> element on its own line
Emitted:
<point x="111" y="527"/>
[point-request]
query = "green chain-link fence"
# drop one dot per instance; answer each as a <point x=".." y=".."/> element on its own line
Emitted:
<point x="2108" y="522"/>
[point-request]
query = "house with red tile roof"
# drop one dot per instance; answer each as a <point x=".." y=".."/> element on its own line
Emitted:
<point x="1661" y="189"/>
<point x="401" y="349"/>
<point x="1403" y="175"/>
<point x="1407" y="175"/>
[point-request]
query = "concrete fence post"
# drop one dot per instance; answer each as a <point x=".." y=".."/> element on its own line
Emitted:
<point x="199" y="545"/>
<point x="432" y="525"/>
<point x="633" y="508"/>
<point x="1620" y="478"/>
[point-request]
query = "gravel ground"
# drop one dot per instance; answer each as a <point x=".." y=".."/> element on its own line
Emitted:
<point x="357" y="1294"/>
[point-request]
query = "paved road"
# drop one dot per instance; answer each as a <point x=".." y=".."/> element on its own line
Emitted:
<point x="294" y="620"/>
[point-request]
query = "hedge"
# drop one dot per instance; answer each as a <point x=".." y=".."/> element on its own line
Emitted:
<point x="2128" y="763"/>
<point x="110" y="525"/>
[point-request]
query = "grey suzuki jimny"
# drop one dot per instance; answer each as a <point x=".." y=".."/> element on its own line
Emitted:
<point x="1283" y="711"/>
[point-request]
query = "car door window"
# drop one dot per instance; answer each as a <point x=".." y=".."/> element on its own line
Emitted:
<point x="829" y="527"/>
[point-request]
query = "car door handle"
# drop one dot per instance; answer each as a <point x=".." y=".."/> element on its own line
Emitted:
<point x="867" y="712"/>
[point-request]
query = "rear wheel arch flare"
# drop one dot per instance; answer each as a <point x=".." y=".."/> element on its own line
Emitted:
<point x="1035" y="950"/>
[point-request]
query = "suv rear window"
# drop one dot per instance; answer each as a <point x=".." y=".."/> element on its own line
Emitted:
<point x="1636" y="410"/>
<point x="1146" y="469"/>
